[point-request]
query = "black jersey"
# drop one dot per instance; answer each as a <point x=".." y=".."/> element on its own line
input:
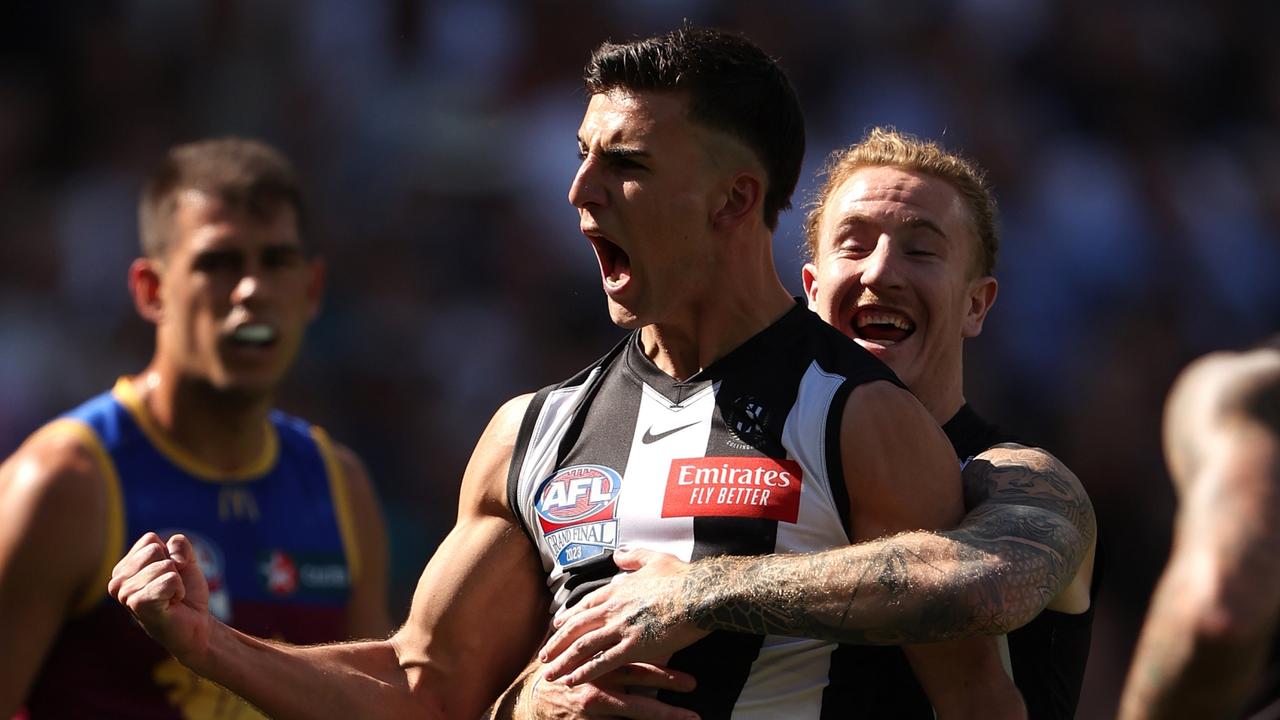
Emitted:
<point x="743" y="458"/>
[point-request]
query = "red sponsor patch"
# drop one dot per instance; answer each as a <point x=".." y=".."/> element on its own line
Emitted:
<point x="282" y="573"/>
<point x="733" y="487"/>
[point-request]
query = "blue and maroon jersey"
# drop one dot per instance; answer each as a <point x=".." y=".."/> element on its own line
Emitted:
<point x="274" y="540"/>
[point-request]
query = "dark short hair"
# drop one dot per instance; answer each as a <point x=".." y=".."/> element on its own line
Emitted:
<point x="246" y="174"/>
<point x="733" y="86"/>
<point x="889" y="147"/>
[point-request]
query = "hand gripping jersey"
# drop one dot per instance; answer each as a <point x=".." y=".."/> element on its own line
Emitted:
<point x="274" y="543"/>
<point x="742" y="458"/>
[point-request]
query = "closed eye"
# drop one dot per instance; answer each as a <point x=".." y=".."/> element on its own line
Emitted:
<point x="217" y="261"/>
<point x="281" y="256"/>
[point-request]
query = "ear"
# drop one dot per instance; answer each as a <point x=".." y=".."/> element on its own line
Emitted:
<point x="315" y="286"/>
<point x="144" y="287"/>
<point x="982" y="295"/>
<point x="743" y="199"/>
<point x="809" y="276"/>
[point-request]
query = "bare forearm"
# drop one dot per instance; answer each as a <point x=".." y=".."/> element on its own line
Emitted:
<point x="1184" y="669"/>
<point x="362" y="679"/>
<point x="1213" y="615"/>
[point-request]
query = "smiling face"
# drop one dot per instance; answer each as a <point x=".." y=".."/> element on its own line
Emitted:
<point x="644" y="191"/>
<point x="232" y="294"/>
<point x="894" y="269"/>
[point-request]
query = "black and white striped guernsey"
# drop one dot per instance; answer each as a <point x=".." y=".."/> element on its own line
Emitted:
<point x="742" y="458"/>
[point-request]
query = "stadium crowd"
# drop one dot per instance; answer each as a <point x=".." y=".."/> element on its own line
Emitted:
<point x="1133" y="146"/>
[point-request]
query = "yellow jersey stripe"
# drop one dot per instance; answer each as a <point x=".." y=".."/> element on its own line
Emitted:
<point x="113" y="540"/>
<point x="341" y="500"/>
<point x="132" y="402"/>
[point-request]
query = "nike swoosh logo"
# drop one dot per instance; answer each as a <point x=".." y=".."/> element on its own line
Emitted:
<point x="649" y="437"/>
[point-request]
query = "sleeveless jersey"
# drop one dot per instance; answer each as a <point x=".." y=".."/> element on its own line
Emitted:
<point x="1047" y="655"/>
<point x="273" y="541"/>
<point x="743" y="458"/>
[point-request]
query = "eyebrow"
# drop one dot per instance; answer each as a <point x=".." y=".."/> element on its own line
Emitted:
<point x="919" y="222"/>
<point x="617" y="152"/>
<point x="914" y="222"/>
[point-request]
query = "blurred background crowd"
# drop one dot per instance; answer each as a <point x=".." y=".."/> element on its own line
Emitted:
<point x="1134" y="146"/>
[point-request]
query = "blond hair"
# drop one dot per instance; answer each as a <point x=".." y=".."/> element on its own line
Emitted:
<point x="887" y="147"/>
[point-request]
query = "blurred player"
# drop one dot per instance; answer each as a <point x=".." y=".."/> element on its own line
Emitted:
<point x="690" y="146"/>
<point x="1209" y="645"/>
<point x="282" y="520"/>
<point x="903" y="245"/>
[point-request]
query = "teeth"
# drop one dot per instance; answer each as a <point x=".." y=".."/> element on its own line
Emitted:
<point x="880" y="318"/>
<point x="254" y="333"/>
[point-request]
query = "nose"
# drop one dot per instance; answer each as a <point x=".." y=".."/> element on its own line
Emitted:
<point x="248" y="288"/>
<point x="880" y="268"/>
<point x="585" y="190"/>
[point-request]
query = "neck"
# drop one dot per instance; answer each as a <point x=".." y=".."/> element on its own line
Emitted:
<point x="943" y="398"/>
<point x="943" y="412"/>
<point x="743" y="296"/>
<point x="221" y="429"/>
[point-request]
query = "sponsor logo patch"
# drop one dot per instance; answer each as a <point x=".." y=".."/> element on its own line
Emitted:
<point x="282" y="573"/>
<point x="751" y="487"/>
<point x="310" y="575"/>
<point x="576" y="508"/>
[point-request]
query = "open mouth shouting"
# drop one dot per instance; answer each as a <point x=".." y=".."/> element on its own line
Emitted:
<point x="253" y="335"/>
<point x="615" y="263"/>
<point x="881" y="326"/>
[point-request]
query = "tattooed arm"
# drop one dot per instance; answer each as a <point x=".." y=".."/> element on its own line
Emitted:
<point x="1026" y="544"/>
<point x="1020" y="549"/>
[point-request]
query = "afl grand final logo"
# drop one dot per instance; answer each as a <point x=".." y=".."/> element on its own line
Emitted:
<point x="576" y="509"/>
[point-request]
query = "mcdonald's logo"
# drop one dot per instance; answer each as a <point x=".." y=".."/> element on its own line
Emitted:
<point x="237" y="504"/>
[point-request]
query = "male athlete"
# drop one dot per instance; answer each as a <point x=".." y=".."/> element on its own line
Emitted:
<point x="903" y="244"/>
<point x="281" y="520"/>
<point x="731" y="420"/>
<point x="1209" y="645"/>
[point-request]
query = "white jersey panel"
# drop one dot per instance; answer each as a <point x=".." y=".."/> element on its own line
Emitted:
<point x="664" y="431"/>
<point x="789" y="667"/>
<point x="539" y="462"/>
<point x="805" y="437"/>
<point x="789" y="673"/>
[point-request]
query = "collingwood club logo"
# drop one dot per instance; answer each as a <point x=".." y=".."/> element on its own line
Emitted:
<point x="748" y="421"/>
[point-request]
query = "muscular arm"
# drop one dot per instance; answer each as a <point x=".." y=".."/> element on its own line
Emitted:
<point x="1214" y="612"/>
<point x="53" y="510"/>
<point x="477" y="614"/>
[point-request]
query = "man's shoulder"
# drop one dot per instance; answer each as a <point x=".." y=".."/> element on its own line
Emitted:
<point x="60" y="472"/>
<point x="837" y="353"/>
<point x="1227" y="384"/>
<point x="65" y="449"/>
